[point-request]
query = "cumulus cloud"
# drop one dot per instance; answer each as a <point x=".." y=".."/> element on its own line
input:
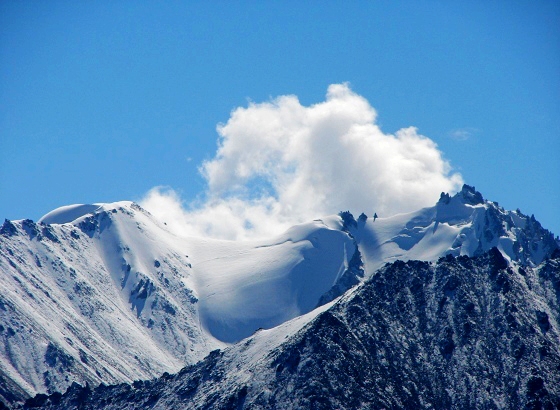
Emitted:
<point x="279" y="163"/>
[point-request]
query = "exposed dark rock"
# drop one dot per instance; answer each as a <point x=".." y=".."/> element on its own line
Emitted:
<point x="348" y="221"/>
<point x="351" y="277"/>
<point x="444" y="198"/>
<point x="8" y="228"/>
<point x="89" y="225"/>
<point x="31" y="228"/>
<point x="55" y="356"/>
<point x="48" y="232"/>
<point x="470" y="195"/>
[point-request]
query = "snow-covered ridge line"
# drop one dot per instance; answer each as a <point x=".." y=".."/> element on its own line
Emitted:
<point x="69" y="213"/>
<point x="106" y="293"/>
<point x="464" y="224"/>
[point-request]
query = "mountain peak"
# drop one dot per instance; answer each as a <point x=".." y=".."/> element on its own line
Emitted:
<point x="468" y="195"/>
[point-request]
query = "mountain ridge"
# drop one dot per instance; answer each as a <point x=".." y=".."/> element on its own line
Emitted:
<point x="104" y="293"/>
<point x="415" y="335"/>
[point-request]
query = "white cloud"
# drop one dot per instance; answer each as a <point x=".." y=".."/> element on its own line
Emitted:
<point x="279" y="163"/>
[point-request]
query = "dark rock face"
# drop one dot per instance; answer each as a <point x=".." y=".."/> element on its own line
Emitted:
<point x="531" y="238"/>
<point x="348" y="221"/>
<point x="462" y="333"/>
<point x="470" y="195"/>
<point x="8" y="228"/>
<point x="350" y="278"/>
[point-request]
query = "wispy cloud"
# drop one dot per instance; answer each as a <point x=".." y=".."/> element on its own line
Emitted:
<point x="463" y="134"/>
<point x="279" y="163"/>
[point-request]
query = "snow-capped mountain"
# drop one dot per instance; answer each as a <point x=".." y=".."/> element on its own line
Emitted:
<point x="462" y="333"/>
<point x="464" y="224"/>
<point x="106" y="293"/>
<point x="98" y="299"/>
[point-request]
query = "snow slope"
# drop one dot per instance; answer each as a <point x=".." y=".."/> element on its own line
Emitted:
<point x="246" y="286"/>
<point x="94" y="300"/>
<point x="113" y="296"/>
<point x="106" y="293"/>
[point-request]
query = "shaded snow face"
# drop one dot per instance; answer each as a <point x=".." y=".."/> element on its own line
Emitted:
<point x="262" y="286"/>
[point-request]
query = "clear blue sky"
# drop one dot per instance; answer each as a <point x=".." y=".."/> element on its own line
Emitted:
<point x="101" y="101"/>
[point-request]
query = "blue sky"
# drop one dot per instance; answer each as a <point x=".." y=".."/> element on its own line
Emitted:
<point x="102" y="101"/>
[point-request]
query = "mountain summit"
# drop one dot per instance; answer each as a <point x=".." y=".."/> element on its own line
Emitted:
<point x="105" y="293"/>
